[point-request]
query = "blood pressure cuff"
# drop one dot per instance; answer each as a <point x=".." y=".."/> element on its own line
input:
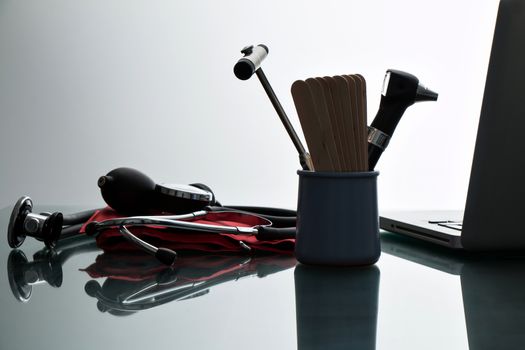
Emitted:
<point x="111" y="240"/>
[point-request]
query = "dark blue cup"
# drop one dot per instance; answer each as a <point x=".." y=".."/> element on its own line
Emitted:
<point x="337" y="218"/>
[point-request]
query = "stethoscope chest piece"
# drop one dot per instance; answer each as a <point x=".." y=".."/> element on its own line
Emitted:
<point x="15" y="231"/>
<point x="23" y="222"/>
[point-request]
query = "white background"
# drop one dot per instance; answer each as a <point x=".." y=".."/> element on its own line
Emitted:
<point x="87" y="86"/>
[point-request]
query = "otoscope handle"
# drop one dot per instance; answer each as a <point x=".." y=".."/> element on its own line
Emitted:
<point x="389" y="115"/>
<point x="382" y="129"/>
<point x="374" y="153"/>
<point x="271" y="233"/>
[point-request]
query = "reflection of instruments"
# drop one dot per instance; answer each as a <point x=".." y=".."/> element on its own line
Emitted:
<point x="493" y="289"/>
<point x="137" y="282"/>
<point x="46" y="266"/>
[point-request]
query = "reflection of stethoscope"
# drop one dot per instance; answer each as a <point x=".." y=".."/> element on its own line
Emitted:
<point x="120" y="295"/>
<point x="46" y="266"/>
<point x="164" y="288"/>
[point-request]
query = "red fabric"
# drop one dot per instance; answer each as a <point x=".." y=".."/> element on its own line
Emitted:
<point x="185" y="240"/>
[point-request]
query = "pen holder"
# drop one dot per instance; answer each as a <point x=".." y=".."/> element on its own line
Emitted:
<point x="337" y="218"/>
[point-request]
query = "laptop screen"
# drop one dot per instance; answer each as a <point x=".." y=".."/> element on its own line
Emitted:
<point x="496" y="195"/>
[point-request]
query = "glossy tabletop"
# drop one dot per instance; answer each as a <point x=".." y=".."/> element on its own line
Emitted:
<point x="415" y="297"/>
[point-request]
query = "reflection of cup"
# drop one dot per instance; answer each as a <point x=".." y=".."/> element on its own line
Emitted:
<point x="336" y="308"/>
<point x="337" y="218"/>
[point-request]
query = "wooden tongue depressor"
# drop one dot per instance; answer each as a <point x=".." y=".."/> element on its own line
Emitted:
<point x="347" y="115"/>
<point x="325" y="125"/>
<point x="364" y="116"/>
<point x="347" y="154"/>
<point x="359" y="126"/>
<point x="306" y="111"/>
<point x="332" y="112"/>
<point x="334" y="121"/>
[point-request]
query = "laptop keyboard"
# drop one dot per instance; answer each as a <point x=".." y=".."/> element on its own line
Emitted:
<point x="455" y="225"/>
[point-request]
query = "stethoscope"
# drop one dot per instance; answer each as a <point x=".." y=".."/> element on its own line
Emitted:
<point x="53" y="227"/>
<point x="260" y="227"/>
<point x="129" y="191"/>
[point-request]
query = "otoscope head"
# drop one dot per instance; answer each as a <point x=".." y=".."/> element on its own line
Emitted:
<point x="404" y="88"/>
<point x="425" y="94"/>
<point x="253" y="57"/>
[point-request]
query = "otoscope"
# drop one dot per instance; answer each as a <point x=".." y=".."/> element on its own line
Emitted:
<point x="244" y="69"/>
<point x="400" y="91"/>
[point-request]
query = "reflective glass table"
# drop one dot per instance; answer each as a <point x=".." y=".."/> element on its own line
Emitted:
<point x="416" y="297"/>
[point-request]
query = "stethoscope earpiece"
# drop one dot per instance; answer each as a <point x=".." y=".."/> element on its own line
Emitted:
<point x="23" y="222"/>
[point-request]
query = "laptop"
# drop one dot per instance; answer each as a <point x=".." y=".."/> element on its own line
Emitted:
<point x="492" y="289"/>
<point x="495" y="208"/>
